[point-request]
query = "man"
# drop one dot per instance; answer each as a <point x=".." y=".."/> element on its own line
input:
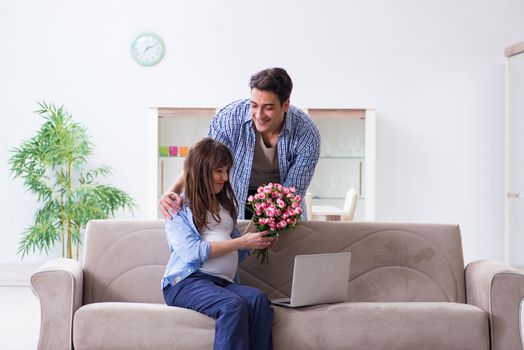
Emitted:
<point x="271" y="141"/>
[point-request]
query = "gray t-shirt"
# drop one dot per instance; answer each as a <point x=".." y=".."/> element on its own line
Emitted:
<point x="265" y="164"/>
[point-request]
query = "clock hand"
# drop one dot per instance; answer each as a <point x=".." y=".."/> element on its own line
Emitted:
<point x="149" y="47"/>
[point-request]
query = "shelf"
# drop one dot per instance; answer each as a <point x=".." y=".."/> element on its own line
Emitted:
<point x="334" y="198"/>
<point x="343" y="157"/>
<point x="321" y="157"/>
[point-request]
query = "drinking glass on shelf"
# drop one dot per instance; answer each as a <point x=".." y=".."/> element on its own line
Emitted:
<point x="359" y="147"/>
<point x="163" y="151"/>
<point x="355" y="147"/>
<point x="341" y="147"/>
<point x="328" y="149"/>
<point x="349" y="151"/>
<point x="183" y="151"/>
<point x="173" y="151"/>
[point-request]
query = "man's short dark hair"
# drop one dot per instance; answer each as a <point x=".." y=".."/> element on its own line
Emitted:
<point x="275" y="80"/>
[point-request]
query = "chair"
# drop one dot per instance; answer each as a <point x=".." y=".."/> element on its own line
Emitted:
<point x="350" y="205"/>
<point x="329" y="212"/>
<point x="309" y="205"/>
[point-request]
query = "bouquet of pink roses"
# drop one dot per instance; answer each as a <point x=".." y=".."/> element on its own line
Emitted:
<point x="275" y="208"/>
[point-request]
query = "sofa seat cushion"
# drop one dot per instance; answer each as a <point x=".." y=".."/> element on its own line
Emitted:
<point x="409" y="325"/>
<point x="114" y="326"/>
<point x="402" y="325"/>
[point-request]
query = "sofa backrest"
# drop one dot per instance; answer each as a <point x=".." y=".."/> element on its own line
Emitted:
<point x="389" y="261"/>
<point x="124" y="260"/>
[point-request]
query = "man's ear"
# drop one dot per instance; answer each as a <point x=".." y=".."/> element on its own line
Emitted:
<point x="285" y="105"/>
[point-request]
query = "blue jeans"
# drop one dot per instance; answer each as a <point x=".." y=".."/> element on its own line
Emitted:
<point x="243" y="315"/>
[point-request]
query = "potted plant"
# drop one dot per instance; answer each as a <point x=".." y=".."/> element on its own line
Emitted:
<point x="52" y="165"/>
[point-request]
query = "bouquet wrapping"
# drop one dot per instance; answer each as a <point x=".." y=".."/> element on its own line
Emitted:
<point x="275" y="208"/>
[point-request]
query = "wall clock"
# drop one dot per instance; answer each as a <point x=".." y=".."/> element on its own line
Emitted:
<point x="147" y="49"/>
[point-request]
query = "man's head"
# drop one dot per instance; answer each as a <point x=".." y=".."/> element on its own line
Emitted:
<point x="270" y="92"/>
<point x="275" y="80"/>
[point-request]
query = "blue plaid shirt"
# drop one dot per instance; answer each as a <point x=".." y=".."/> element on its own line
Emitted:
<point x="298" y="148"/>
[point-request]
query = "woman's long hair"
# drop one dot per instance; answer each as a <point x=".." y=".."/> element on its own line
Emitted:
<point x="204" y="157"/>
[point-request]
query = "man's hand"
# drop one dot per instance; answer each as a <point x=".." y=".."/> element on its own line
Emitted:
<point x="169" y="202"/>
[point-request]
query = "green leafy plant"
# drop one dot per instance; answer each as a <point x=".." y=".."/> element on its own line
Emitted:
<point x="52" y="166"/>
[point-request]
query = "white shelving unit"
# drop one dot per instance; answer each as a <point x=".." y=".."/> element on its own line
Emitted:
<point x="347" y="158"/>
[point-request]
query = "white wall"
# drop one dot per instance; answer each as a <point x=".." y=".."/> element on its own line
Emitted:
<point x="434" y="71"/>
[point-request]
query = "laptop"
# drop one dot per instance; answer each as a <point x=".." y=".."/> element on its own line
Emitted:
<point x="318" y="279"/>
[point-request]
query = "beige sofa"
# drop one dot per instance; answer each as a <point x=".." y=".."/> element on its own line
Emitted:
<point x="408" y="289"/>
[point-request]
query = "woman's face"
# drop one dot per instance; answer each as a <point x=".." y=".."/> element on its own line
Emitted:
<point x="219" y="176"/>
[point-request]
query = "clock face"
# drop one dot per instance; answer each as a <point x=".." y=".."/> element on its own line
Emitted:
<point x="147" y="49"/>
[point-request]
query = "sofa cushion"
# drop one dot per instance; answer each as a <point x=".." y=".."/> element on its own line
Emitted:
<point x="111" y="326"/>
<point x="339" y="326"/>
<point x="402" y="326"/>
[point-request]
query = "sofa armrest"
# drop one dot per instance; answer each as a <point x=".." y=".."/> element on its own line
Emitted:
<point x="498" y="289"/>
<point x="58" y="284"/>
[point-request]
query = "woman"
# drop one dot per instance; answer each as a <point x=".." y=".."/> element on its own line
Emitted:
<point x="206" y="248"/>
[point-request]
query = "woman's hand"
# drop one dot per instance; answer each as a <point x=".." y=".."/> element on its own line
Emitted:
<point x="258" y="240"/>
<point x="275" y="239"/>
<point x="250" y="240"/>
<point x="169" y="202"/>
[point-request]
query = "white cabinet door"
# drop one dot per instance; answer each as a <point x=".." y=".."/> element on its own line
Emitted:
<point x="347" y="159"/>
<point x="515" y="161"/>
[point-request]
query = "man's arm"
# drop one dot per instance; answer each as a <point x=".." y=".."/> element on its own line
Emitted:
<point x="301" y="171"/>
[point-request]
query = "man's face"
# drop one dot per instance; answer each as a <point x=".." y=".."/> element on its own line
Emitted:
<point x="267" y="112"/>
